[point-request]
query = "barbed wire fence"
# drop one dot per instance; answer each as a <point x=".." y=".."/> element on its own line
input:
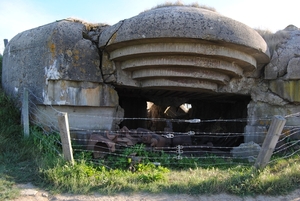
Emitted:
<point x="174" y="154"/>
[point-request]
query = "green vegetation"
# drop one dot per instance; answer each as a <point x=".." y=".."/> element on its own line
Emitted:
<point x="1" y="67"/>
<point x="37" y="160"/>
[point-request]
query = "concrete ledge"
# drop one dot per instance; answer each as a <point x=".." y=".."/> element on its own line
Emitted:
<point x="80" y="117"/>
<point x="187" y="62"/>
<point x="159" y="43"/>
<point x="63" y="92"/>
<point x="179" y="85"/>
<point x="185" y="22"/>
<point x="247" y="62"/>
<point x="181" y="74"/>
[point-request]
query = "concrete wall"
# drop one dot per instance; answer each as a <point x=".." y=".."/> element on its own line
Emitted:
<point x="60" y="67"/>
<point x="278" y="90"/>
<point x="56" y="51"/>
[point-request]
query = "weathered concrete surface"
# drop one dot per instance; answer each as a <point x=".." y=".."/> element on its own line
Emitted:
<point x="180" y="48"/>
<point x="255" y="134"/>
<point x="278" y="93"/>
<point x="286" y="53"/>
<point x="248" y="151"/>
<point x="184" y="22"/>
<point x="80" y="117"/>
<point x="260" y="113"/>
<point x="60" y="65"/>
<point x="288" y="90"/>
<point x="56" y="51"/>
<point x="63" y="92"/>
<point x="238" y="86"/>
<point x="259" y="120"/>
<point x="293" y="69"/>
<point x="260" y="92"/>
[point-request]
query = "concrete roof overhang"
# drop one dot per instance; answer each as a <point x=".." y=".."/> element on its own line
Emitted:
<point x="180" y="47"/>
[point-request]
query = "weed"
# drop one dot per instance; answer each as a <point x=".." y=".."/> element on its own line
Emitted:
<point x="148" y="173"/>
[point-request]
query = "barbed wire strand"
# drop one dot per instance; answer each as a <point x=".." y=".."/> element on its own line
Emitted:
<point x="188" y="151"/>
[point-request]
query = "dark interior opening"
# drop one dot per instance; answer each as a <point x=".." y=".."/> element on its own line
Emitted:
<point x="223" y="116"/>
<point x="135" y="107"/>
<point x="228" y="112"/>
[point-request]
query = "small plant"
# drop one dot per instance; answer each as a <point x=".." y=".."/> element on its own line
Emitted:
<point x="148" y="173"/>
<point x="7" y="190"/>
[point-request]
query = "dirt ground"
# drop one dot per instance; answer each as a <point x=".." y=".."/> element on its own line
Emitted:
<point x="31" y="193"/>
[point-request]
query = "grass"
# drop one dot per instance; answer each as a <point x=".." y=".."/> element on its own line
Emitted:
<point x="239" y="180"/>
<point x="179" y="3"/>
<point x="273" y="39"/>
<point x="36" y="160"/>
<point x="18" y="159"/>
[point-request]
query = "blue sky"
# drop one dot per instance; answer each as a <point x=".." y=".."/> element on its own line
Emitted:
<point x="20" y="15"/>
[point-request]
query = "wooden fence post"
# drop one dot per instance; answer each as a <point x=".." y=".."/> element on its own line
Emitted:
<point x="270" y="141"/>
<point x="5" y="42"/>
<point x="63" y="124"/>
<point x="25" y="113"/>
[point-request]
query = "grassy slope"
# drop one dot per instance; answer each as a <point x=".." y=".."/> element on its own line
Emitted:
<point x="18" y="158"/>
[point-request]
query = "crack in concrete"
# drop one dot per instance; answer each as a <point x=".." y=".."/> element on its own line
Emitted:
<point x="101" y="51"/>
<point x="112" y="35"/>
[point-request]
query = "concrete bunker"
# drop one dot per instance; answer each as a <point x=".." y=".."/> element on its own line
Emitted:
<point x="162" y="57"/>
<point x="169" y="56"/>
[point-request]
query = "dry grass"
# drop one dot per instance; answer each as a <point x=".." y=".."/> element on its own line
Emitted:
<point x="179" y="3"/>
<point x="273" y="39"/>
<point x="89" y="26"/>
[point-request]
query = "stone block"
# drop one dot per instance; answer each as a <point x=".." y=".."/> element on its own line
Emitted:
<point x="248" y="151"/>
<point x="86" y="118"/>
<point x="55" y="51"/>
<point x="255" y="134"/>
<point x="63" y="92"/>
<point x="288" y="90"/>
<point x="293" y="69"/>
<point x="260" y="114"/>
